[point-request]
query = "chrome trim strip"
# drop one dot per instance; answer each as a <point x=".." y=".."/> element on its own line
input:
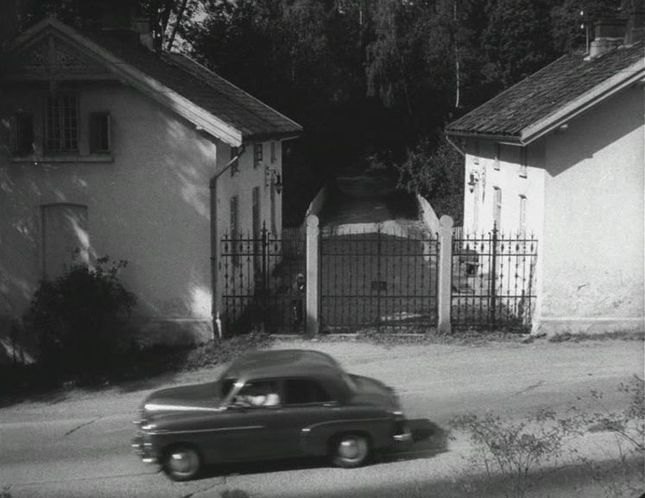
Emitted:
<point x="221" y="429"/>
<point x="345" y="421"/>
<point x="155" y="407"/>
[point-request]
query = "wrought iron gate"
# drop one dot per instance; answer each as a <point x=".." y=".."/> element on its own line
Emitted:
<point x="493" y="281"/>
<point x="260" y="284"/>
<point x="378" y="281"/>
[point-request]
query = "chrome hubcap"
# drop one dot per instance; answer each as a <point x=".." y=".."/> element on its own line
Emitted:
<point x="183" y="462"/>
<point x="352" y="449"/>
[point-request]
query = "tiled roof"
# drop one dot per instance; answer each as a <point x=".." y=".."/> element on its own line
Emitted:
<point x="201" y="86"/>
<point x="544" y="93"/>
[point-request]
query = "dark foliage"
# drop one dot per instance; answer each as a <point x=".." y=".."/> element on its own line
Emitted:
<point x="80" y="320"/>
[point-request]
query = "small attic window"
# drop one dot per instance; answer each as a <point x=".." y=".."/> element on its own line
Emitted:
<point x="257" y="155"/>
<point x="99" y="132"/>
<point x="498" y="156"/>
<point x="23" y="136"/>
<point x="523" y="162"/>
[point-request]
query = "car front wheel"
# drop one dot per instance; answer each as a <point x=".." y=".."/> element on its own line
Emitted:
<point x="350" y="450"/>
<point x="181" y="463"/>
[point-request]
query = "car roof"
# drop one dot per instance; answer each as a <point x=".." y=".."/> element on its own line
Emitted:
<point x="283" y="363"/>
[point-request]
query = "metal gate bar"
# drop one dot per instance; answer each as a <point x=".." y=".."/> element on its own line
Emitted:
<point x="493" y="279"/>
<point x="378" y="281"/>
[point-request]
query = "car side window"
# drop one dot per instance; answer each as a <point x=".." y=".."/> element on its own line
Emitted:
<point x="302" y="391"/>
<point x="258" y="394"/>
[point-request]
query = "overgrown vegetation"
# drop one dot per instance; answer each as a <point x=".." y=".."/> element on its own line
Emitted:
<point x="18" y="382"/>
<point x="516" y="451"/>
<point x="80" y="320"/>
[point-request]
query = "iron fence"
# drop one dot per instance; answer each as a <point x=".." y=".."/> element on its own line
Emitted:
<point x="378" y="281"/>
<point x="260" y="287"/>
<point x="493" y="281"/>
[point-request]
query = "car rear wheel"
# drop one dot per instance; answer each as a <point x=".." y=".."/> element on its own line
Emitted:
<point x="350" y="450"/>
<point x="181" y="463"/>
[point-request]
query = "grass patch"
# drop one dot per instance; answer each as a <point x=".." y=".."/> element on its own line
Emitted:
<point x="633" y="335"/>
<point x="391" y="339"/>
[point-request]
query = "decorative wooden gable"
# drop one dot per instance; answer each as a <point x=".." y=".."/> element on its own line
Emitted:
<point x="50" y="57"/>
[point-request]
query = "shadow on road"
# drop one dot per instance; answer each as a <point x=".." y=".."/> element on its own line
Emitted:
<point x="429" y="441"/>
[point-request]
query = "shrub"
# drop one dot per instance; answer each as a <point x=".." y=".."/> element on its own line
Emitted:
<point x="513" y="450"/>
<point x="79" y="319"/>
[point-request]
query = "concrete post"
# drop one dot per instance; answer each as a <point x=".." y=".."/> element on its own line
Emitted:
<point x="444" y="290"/>
<point x="312" y="251"/>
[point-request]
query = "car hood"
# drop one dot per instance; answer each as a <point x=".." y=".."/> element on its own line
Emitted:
<point x="195" y="397"/>
<point x="372" y="391"/>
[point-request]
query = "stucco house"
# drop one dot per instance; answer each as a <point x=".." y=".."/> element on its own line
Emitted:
<point x="562" y="155"/>
<point x="108" y="147"/>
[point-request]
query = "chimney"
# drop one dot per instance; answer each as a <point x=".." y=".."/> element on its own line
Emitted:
<point x="141" y="26"/>
<point x="609" y="34"/>
<point x="635" y="10"/>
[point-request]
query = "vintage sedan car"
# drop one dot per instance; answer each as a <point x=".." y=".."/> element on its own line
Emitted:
<point x="270" y="405"/>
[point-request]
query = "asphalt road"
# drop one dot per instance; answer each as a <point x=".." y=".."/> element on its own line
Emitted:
<point x="77" y="443"/>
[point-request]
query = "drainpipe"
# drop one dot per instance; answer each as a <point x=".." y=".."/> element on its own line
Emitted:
<point x="212" y="184"/>
<point x="456" y="147"/>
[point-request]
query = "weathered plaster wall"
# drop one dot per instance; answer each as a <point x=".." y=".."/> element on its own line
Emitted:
<point x="149" y="205"/>
<point x="503" y="173"/>
<point x="593" y="228"/>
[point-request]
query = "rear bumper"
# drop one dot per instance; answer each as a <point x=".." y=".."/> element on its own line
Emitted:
<point x="402" y="437"/>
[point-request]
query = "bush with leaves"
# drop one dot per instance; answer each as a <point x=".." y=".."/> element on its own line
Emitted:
<point x="80" y="320"/>
<point x="435" y="171"/>
<point x="514" y="450"/>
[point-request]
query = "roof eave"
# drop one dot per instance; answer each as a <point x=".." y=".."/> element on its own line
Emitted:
<point x="190" y="111"/>
<point x="497" y="137"/>
<point x="621" y="80"/>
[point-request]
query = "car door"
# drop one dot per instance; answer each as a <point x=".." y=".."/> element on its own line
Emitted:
<point x="254" y="413"/>
<point x="306" y="403"/>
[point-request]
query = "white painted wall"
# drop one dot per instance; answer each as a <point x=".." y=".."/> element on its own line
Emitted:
<point x="594" y="218"/>
<point x="584" y="191"/>
<point x="148" y="204"/>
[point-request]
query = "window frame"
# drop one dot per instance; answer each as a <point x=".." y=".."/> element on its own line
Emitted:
<point x="258" y="154"/>
<point x="522" y="213"/>
<point x="285" y="397"/>
<point x="234" y="227"/>
<point x="497" y="207"/>
<point x="523" y="171"/>
<point x="56" y="143"/>
<point x="235" y="165"/>
<point x="17" y="144"/>
<point x="92" y="132"/>
<point x="497" y="157"/>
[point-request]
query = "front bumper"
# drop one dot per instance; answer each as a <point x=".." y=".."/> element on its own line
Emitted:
<point x="143" y="449"/>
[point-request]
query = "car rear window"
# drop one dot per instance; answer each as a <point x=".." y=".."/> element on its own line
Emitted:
<point x="302" y="391"/>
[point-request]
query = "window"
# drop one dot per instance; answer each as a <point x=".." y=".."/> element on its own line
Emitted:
<point x="99" y="132"/>
<point x="258" y="394"/>
<point x="274" y="157"/>
<point x="522" y="214"/>
<point x="257" y="155"/>
<point x="523" y="162"/>
<point x="23" y="138"/>
<point x="235" y="229"/>
<point x="61" y="123"/>
<point x="256" y="216"/>
<point x="235" y="166"/>
<point x="273" y="209"/>
<point x="302" y="391"/>
<point x="497" y="207"/>
<point x="498" y="156"/>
